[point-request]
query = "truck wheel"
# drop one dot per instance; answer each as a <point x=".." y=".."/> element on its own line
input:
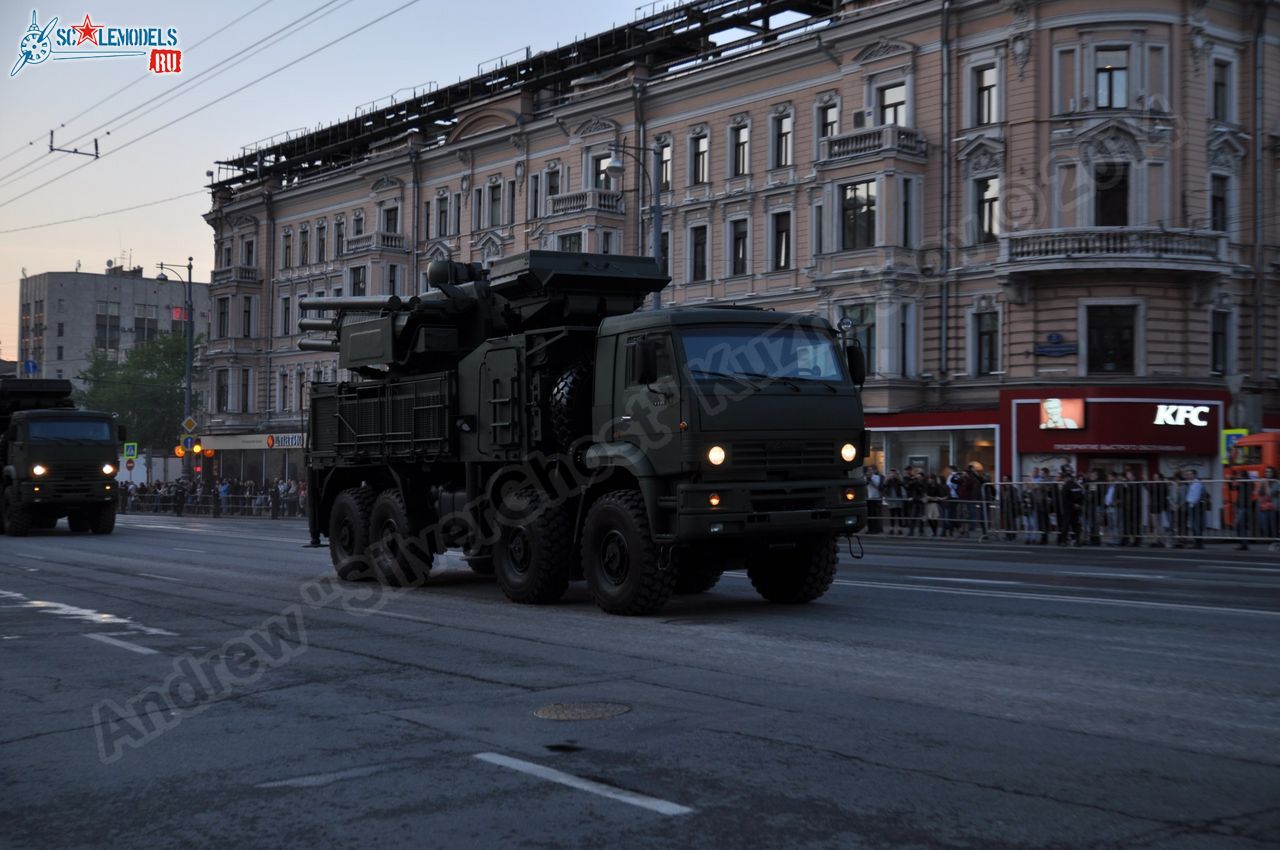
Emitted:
<point x="620" y="559"/>
<point x="698" y="569"/>
<point x="398" y="556"/>
<point x="349" y="534"/>
<point x="570" y="405"/>
<point x="481" y="565"/>
<point x="17" y="519"/>
<point x="103" y="520"/>
<point x="795" y="575"/>
<point x="532" y="557"/>
<point x="77" y="522"/>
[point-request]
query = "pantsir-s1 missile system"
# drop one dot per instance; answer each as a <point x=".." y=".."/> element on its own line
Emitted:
<point x="535" y="417"/>
<point x="55" y="461"/>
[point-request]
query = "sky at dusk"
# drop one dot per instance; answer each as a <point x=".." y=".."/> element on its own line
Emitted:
<point x="159" y="133"/>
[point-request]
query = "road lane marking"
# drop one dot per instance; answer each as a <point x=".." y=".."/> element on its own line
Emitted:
<point x="653" y="804"/>
<point x="123" y="644"/>
<point x="965" y="580"/>
<point x="87" y="614"/>
<point x="29" y="555"/>
<point x="1115" y="575"/>
<point x="1193" y="562"/>
<point x="162" y="578"/>
<point x="197" y="551"/>
<point x="317" y="780"/>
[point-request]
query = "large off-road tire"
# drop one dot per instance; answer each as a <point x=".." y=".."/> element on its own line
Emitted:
<point x="17" y="519"/>
<point x="697" y="579"/>
<point x="398" y="556"/>
<point x="103" y="519"/>
<point x="570" y="405"/>
<point x="623" y="571"/>
<point x="481" y="565"/>
<point x="349" y="534"/>
<point x="790" y="576"/>
<point x="533" y="557"/>
<point x="78" y="522"/>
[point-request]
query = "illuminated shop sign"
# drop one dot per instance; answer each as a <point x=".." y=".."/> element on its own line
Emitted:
<point x="1182" y="414"/>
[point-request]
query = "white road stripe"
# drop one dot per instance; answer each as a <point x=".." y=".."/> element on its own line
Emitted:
<point x="965" y="580"/>
<point x="653" y="804"/>
<point x="29" y="555"/>
<point x="317" y="780"/>
<point x="162" y="578"/>
<point x="197" y="551"/>
<point x="123" y="644"/>
<point x="1115" y="575"/>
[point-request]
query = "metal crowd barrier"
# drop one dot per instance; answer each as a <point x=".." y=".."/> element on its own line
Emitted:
<point x="1095" y="513"/>
<point x="209" y="504"/>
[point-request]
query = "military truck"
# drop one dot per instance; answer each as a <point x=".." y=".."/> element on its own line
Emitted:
<point x="534" y="416"/>
<point x="57" y="461"/>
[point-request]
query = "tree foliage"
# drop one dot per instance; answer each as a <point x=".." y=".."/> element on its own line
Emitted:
<point x="146" y="389"/>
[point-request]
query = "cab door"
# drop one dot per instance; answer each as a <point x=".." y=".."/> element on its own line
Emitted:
<point x="648" y="415"/>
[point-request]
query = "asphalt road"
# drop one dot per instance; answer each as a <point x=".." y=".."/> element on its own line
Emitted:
<point x="941" y="695"/>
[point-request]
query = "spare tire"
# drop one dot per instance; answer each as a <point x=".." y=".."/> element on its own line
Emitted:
<point x="570" y="405"/>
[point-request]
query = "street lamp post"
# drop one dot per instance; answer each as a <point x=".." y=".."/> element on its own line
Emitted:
<point x="615" y="168"/>
<point x="189" y="328"/>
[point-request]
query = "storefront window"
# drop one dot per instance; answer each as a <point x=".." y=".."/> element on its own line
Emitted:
<point x="933" y="451"/>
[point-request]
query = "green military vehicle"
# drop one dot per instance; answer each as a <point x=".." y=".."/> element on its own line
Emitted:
<point x="534" y="416"/>
<point x="57" y="461"/>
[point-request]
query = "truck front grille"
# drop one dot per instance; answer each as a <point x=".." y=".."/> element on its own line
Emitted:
<point x="796" y="458"/>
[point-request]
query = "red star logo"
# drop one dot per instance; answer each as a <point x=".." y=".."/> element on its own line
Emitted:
<point x="88" y="31"/>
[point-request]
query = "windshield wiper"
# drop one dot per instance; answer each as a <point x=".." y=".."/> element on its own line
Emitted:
<point x="788" y="381"/>
<point x="737" y="377"/>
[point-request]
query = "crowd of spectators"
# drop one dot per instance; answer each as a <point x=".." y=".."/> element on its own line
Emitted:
<point x="230" y="497"/>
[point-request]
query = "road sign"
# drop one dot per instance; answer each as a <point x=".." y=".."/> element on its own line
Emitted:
<point x="1229" y="437"/>
<point x="30" y="367"/>
<point x="129" y="464"/>
<point x="188" y="441"/>
<point x="188" y="425"/>
<point x="130" y="450"/>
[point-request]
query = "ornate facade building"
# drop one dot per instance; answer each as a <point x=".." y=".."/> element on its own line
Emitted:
<point x="1011" y="201"/>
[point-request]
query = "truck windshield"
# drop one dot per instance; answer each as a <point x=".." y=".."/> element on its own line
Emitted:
<point x="787" y="352"/>
<point x="70" y="430"/>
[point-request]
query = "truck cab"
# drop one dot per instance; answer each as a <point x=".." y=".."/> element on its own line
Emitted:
<point x="55" y="461"/>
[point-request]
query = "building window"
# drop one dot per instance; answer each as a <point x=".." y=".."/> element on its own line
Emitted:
<point x="738" y="247"/>
<point x="1221" y="90"/>
<point x="892" y="104"/>
<point x="393" y="280"/>
<point x="494" y="210"/>
<point x="1111" y="331"/>
<point x="246" y="390"/>
<point x="339" y="237"/>
<point x="282" y="392"/>
<point x="286" y="316"/>
<point x="226" y="255"/>
<point x="1220" y="340"/>
<point x="106" y="331"/>
<point x="61" y="329"/>
<point x="819" y="229"/>
<point x="222" y="390"/>
<point x="606" y="242"/>
<point x="224" y="318"/>
<point x="359" y="280"/>
<point x="664" y="248"/>
<point x="864" y="331"/>
<point x="699" y="157"/>
<point x="571" y="242"/>
<point x="1111" y="78"/>
<point x="442" y="216"/>
<point x="553" y="183"/>
<point x="987" y="334"/>
<point x="320" y="243"/>
<point x="357" y="223"/>
<point x="908" y="213"/>
<point x="698" y="252"/>
<point x="986" y="195"/>
<point x="59" y="349"/>
<point x="391" y="220"/>
<point x="740" y="150"/>
<point x="1111" y="195"/>
<point x="247" y="252"/>
<point x="1219" y="186"/>
<point x="286" y="255"/>
<point x="781" y="241"/>
<point x="783" y="153"/>
<point x="858" y="212"/>
<point x="601" y="178"/>
<point x="246" y="317"/>
<point x="535" y="198"/>
<point x="984" y="92"/>
<point x="828" y="120"/>
<point x="511" y="202"/>
<point x="664" y="167"/>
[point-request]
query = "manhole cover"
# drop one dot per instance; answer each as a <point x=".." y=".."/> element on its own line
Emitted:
<point x="581" y="710"/>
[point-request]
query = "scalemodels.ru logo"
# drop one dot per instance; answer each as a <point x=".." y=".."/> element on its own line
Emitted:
<point x="91" y="40"/>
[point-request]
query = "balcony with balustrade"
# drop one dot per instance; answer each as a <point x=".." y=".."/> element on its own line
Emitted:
<point x="375" y="241"/>
<point x="589" y="201"/>
<point x="873" y="143"/>
<point x="1082" y="248"/>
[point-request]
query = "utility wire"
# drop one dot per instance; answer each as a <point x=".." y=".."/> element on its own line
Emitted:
<point x="128" y="86"/>
<point x="102" y="214"/>
<point x="288" y="65"/>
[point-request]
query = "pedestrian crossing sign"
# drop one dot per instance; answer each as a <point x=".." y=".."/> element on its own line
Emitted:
<point x="130" y="450"/>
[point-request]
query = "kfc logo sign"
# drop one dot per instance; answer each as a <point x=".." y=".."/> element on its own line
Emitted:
<point x="1182" y="414"/>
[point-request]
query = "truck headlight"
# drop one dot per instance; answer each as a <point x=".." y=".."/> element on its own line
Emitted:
<point x="38" y="470"/>
<point x="108" y="469"/>
<point x="848" y="452"/>
<point x="716" y="455"/>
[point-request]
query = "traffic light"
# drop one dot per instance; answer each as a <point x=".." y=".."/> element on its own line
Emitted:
<point x="179" y="451"/>
<point x="199" y="469"/>
<point x="208" y="452"/>
<point x="196" y="448"/>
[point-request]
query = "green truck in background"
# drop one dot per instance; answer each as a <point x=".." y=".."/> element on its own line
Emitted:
<point x="533" y="415"/>
<point x="55" y="461"/>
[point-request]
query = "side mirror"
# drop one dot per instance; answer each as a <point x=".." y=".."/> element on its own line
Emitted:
<point x="121" y="436"/>
<point x="857" y="363"/>
<point x="643" y="362"/>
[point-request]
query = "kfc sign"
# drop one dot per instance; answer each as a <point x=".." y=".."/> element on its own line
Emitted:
<point x="1182" y="414"/>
